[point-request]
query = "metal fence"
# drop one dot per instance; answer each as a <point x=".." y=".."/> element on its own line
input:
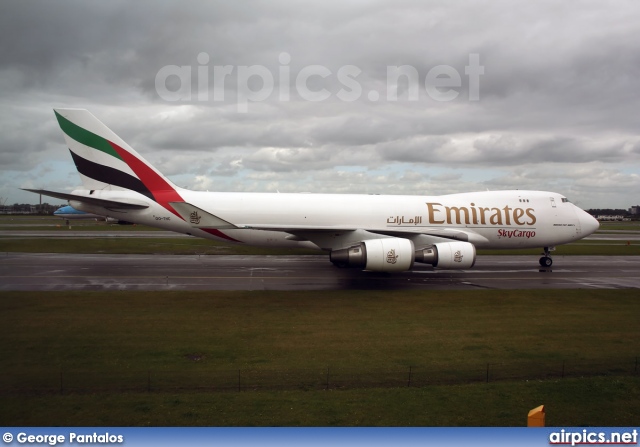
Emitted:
<point x="211" y="380"/>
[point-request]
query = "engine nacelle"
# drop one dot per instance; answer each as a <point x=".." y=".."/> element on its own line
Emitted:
<point x="378" y="255"/>
<point x="448" y="255"/>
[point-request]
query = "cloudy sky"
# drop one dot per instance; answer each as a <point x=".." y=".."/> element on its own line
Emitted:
<point x="402" y="97"/>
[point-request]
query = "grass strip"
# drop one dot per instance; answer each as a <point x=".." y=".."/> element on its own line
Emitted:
<point x="186" y="335"/>
<point x="599" y="401"/>
<point x="182" y="246"/>
<point x="288" y="330"/>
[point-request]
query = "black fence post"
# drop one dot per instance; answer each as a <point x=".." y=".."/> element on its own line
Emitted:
<point x="327" y="384"/>
<point x="409" y="382"/>
<point x="563" y="369"/>
<point x="487" y="373"/>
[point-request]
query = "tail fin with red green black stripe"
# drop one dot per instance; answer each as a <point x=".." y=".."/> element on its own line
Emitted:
<point x="105" y="162"/>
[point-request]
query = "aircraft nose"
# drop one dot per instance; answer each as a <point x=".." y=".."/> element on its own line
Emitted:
<point x="588" y="223"/>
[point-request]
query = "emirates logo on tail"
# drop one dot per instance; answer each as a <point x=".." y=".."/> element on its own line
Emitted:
<point x="194" y="218"/>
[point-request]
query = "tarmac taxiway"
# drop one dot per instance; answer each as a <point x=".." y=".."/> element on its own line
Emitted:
<point x="44" y="272"/>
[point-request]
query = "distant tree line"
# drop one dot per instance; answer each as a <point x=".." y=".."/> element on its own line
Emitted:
<point x="608" y="212"/>
<point x="26" y="208"/>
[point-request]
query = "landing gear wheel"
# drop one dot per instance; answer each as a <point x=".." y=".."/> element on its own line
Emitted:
<point x="546" y="261"/>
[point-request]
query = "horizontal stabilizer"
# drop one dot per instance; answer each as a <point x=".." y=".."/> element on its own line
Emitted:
<point x="199" y="218"/>
<point x="109" y="204"/>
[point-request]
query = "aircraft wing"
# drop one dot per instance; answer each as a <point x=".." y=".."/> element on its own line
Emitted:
<point x="333" y="237"/>
<point x="455" y="234"/>
<point x="109" y="204"/>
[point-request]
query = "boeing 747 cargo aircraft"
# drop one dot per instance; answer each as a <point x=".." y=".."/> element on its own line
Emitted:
<point x="383" y="233"/>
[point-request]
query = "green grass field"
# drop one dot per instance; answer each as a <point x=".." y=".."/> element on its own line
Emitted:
<point x="89" y="339"/>
<point x="185" y="245"/>
<point x="599" y="401"/>
<point x="176" y="246"/>
<point x="620" y="226"/>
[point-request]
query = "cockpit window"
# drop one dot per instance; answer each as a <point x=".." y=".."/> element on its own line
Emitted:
<point x="565" y="200"/>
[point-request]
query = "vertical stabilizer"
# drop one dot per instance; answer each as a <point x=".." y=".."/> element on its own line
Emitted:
<point x="105" y="162"/>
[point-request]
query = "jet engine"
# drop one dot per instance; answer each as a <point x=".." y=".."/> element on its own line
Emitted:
<point x="379" y="255"/>
<point x="448" y="255"/>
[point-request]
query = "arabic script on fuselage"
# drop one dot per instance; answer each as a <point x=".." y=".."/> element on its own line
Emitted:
<point x="439" y="214"/>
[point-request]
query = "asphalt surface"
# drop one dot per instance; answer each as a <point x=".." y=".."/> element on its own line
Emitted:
<point x="44" y="272"/>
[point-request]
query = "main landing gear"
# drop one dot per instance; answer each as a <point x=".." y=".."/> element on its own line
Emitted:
<point x="546" y="260"/>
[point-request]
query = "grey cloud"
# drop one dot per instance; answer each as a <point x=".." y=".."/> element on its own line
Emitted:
<point x="286" y="159"/>
<point x="506" y="150"/>
<point x="560" y="88"/>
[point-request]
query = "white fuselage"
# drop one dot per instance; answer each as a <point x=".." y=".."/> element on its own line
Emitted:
<point x="492" y="219"/>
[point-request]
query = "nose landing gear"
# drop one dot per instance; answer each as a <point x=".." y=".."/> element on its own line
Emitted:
<point x="546" y="260"/>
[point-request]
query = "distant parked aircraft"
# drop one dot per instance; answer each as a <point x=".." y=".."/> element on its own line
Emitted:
<point x="69" y="212"/>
